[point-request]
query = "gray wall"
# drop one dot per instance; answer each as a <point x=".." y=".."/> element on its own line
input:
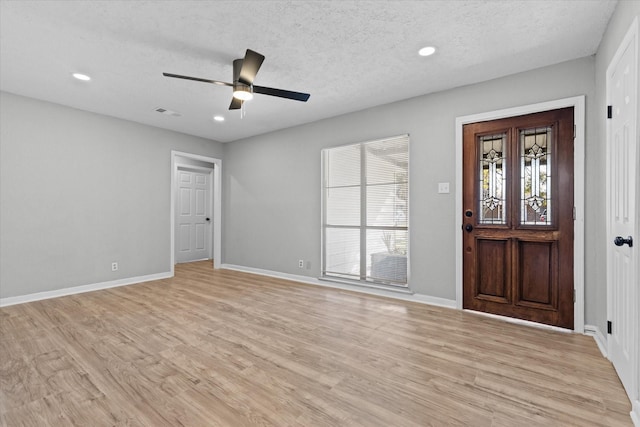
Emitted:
<point x="272" y="182"/>
<point x="596" y="298"/>
<point x="80" y="190"/>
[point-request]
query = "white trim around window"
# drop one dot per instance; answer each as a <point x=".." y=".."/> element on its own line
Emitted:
<point x="365" y="213"/>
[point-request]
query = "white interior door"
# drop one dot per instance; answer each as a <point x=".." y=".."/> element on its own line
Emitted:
<point x="622" y="237"/>
<point x="193" y="215"/>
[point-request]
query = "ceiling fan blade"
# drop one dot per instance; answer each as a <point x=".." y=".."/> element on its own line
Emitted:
<point x="250" y="66"/>
<point x="236" y="104"/>
<point x="215" y="82"/>
<point x="297" y="96"/>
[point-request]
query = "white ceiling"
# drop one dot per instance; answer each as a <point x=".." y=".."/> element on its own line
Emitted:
<point x="349" y="55"/>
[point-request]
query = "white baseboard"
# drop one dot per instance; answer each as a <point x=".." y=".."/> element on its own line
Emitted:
<point x="431" y="300"/>
<point x="597" y="335"/>
<point x="403" y="295"/>
<point x="81" y="289"/>
<point x="635" y="413"/>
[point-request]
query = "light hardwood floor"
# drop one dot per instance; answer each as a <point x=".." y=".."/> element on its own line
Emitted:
<point x="222" y="348"/>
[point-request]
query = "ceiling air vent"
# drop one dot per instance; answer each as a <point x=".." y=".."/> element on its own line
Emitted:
<point x="167" y="112"/>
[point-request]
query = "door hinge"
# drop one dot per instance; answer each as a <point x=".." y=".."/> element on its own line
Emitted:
<point x="574" y="213"/>
<point x="609" y="326"/>
<point x="609" y="111"/>
<point x="574" y="131"/>
<point x="574" y="295"/>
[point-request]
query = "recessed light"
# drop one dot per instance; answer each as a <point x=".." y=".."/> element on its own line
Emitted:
<point x="82" y="77"/>
<point x="426" y="51"/>
<point x="218" y="118"/>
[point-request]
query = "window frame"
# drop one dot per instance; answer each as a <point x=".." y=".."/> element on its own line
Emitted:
<point x="362" y="228"/>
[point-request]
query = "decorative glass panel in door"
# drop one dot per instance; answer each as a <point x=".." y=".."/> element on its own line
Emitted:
<point x="535" y="176"/>
<point x="493" y="173"/>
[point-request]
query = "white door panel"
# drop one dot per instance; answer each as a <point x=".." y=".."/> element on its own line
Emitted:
<point x="201" y="201"/>
<point x="193" y="217"/>
<point x="185" y="201"/>
<point x="184" y="239"/>
<point x="622" y="91"/>
<point x="200" y="233"/>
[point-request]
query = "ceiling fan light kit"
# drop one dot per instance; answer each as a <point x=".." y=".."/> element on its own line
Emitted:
<point x="242" y="92"/>
<point x="244" y="72"/>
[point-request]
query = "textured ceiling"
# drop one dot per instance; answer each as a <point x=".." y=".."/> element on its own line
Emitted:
<point x="349" y="55"/>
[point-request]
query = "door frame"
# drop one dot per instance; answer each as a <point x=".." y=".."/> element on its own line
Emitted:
<point x="632" y="33"/>
<point x="216" y="200"/>
<point x="578" y="104"/>
<point x="209" y="172"/>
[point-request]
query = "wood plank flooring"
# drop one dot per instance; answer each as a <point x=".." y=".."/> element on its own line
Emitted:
<point x="222" y="348"/>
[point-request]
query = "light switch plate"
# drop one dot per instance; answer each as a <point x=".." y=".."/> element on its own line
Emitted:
<point x="443" y="187"/>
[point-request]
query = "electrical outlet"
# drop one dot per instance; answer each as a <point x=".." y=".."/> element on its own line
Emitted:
<point x="443" y="187"/>
<point x="114" y="266"/>
<point x="300" y="263"/>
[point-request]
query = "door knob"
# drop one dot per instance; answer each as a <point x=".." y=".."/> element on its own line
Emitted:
<point x="208" y="219"/>
<point x="468" y="228"/>
<point x="619" y="241"/>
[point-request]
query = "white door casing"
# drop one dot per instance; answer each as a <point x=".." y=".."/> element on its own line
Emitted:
<point x="622" y="222"/>
<point x="177" y="157"/>
<point x="578" y="104"/>
<point x="193" y="214"/>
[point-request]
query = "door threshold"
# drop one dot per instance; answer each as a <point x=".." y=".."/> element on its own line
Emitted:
<point x="194" y="260"/>
<point x="521" y="321"/>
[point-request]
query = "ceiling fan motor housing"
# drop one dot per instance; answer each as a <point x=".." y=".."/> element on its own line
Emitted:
<point x="240" y="90"/>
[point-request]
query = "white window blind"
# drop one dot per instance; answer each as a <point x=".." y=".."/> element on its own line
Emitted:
<point x="365" y="226"/>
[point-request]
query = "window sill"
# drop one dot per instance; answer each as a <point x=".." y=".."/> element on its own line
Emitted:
<point x="399" y="289"/>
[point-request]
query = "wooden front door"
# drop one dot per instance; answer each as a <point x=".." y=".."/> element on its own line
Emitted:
<point x="518" y="217"/>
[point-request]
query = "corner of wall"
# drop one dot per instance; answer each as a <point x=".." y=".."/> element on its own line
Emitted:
<point x="598" y="336"/>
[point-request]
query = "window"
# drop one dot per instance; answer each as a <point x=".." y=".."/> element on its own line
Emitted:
<point x="365" y="229"/>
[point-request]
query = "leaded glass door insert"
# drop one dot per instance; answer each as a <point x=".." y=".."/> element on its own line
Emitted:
<point x="535" y="176"/>
<point x="492" y="178"/>
<point x="518" y="217"/>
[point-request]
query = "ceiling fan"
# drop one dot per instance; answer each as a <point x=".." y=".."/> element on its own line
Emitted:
<point x="244" y="71"/>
